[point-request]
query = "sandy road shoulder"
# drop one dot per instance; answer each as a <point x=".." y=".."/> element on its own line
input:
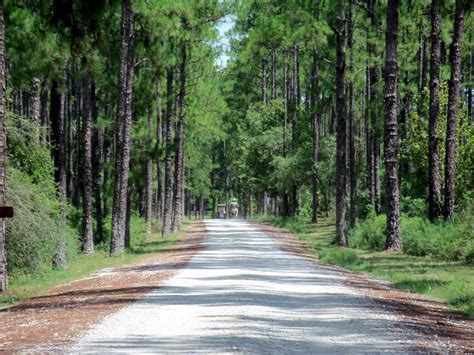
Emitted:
<point x="52" y="321"/>
<point x="436" y="326"/>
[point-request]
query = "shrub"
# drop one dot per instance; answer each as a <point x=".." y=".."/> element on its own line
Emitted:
<point x="36" y="229"/>
<point x="369" y="234"/>
<point x="413" y="207"/>
<point x="342" y="257"/>
<point x="445" y="240"/>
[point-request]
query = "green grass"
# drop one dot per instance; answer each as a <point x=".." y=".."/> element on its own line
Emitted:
<point x="25" y="286"/>
<point x="452" y="282"/>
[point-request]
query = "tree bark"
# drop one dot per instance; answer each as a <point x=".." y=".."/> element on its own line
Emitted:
<point x="341" y="129"/>
<point x="87" y="232"/>
<point x="180" y="144"/>
<point x="285" y="204"/>
<point x="3" y="154"/>
<point x="294" y="121"/>
<point x="57" y="136"/>
<point x="167" y="208"/>
<point x="424" y="71"/>
<point x="123" y="126"/>
<point x="250" y="204"/>
<point x="97" y="175"/>
<point x="128" y="215"/>
<point x="391" y="143"/>
<point x="315" y="139"/>
<point x="274" y="74"/>
<point x="36" y="106"/>
<point x="434" y="186"/>
<point x="375" y="134"/>
<point x="453" y="99"/>
<point x="148" y="177"/>
<point x="352" y="125"/>
<point x="286" y="94"/>
<point x="159" y="135"/>
<point x="57" y="140"/>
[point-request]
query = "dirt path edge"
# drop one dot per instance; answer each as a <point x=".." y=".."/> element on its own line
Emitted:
<point x="438" y="328"/>
<point x="53" y="321"/>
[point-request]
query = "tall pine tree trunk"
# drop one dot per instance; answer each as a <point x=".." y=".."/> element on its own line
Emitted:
<point x="3" y="153"/>
<point x="57" y="136"/>
<point x="159" y="135"/>
<point x="391" y="130"/>
<point x="315" y="140"/>
<point x="341" y="129"/>
<point x="36" y="105"/>
<point x="180" y="142"/>
<point x="285" y="202"/>
<point x="123" y="126"/>
<point x="57" y="140"/>
<point x="148" y="177"/>
<point x="87" y="232"/>
<point x="434" y="186"/>
<point x="352" y="125"/>
<point x="294" y="121"/>
<point x="453" y="98"/>
<point x="168" y="198"/>
<point x="97" y="175"/>
<point x="274" y="73"/>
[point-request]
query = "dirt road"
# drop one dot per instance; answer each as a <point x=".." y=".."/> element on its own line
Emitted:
<point x="242" y="293"/>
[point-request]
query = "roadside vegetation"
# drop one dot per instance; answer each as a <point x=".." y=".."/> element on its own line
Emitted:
<point x="26" y="284"/>
<point x="445" y="270"/>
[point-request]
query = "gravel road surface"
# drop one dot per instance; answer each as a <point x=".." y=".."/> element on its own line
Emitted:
<point x="241" y="293"/>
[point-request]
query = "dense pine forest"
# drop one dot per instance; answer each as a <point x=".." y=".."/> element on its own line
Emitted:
<point x="121" y="120"/>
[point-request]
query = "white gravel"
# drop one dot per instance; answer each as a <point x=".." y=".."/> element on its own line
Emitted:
<point x="241" y="293"/>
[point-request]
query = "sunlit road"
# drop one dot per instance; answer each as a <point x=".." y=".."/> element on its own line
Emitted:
<point x="241" y="293"/>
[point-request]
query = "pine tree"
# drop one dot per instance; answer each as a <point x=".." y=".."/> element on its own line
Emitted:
<point x="3" y="153"/>
<point x="391" y="129"/>
<point x="434" y="186"/>
<point x="455" y="59"/>
<point x="341" y="128"/>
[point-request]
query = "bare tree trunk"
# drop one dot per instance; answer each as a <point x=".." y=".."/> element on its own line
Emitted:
<point x="391" y="130"/>
<point x="424" y="70"/>
<point x="375" y="134"/>
<point x="213" y="184"/>
<point x="250" y="203"/>
<point x="97" y="175"/>
<point x="57" y="140"/>
<point x="368" y="137"/>
<point x="376" y="177"/>
<point x="57" y="136"/>
<point x="434" y="186"/>
<point x="274" y="74"/>
<point x="180" y="143"/>
<point x="453" y="99"/>
<point x="167" y="209"/>
<point x="159" y="135"/>
<point x="3" y="154"/>
<point x="123" y="129"/>
<point x="352" y="125"/>
<point x="315" y="139"/>
<point x="286" y="90"/>
<point x="294" y="122"/>
<point x="226" y="179"/>
<point x="201" y="208"/>
<point x="285" y="203"/>
<point x="87" y="232"/>
<point x="341" y="129"/>
<point x="36" y="105"/>
<point x="128" y="215"/>
<point x="148" y="177"/>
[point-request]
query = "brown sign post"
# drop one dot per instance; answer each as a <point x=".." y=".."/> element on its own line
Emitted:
<point x="6" y="212"/>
